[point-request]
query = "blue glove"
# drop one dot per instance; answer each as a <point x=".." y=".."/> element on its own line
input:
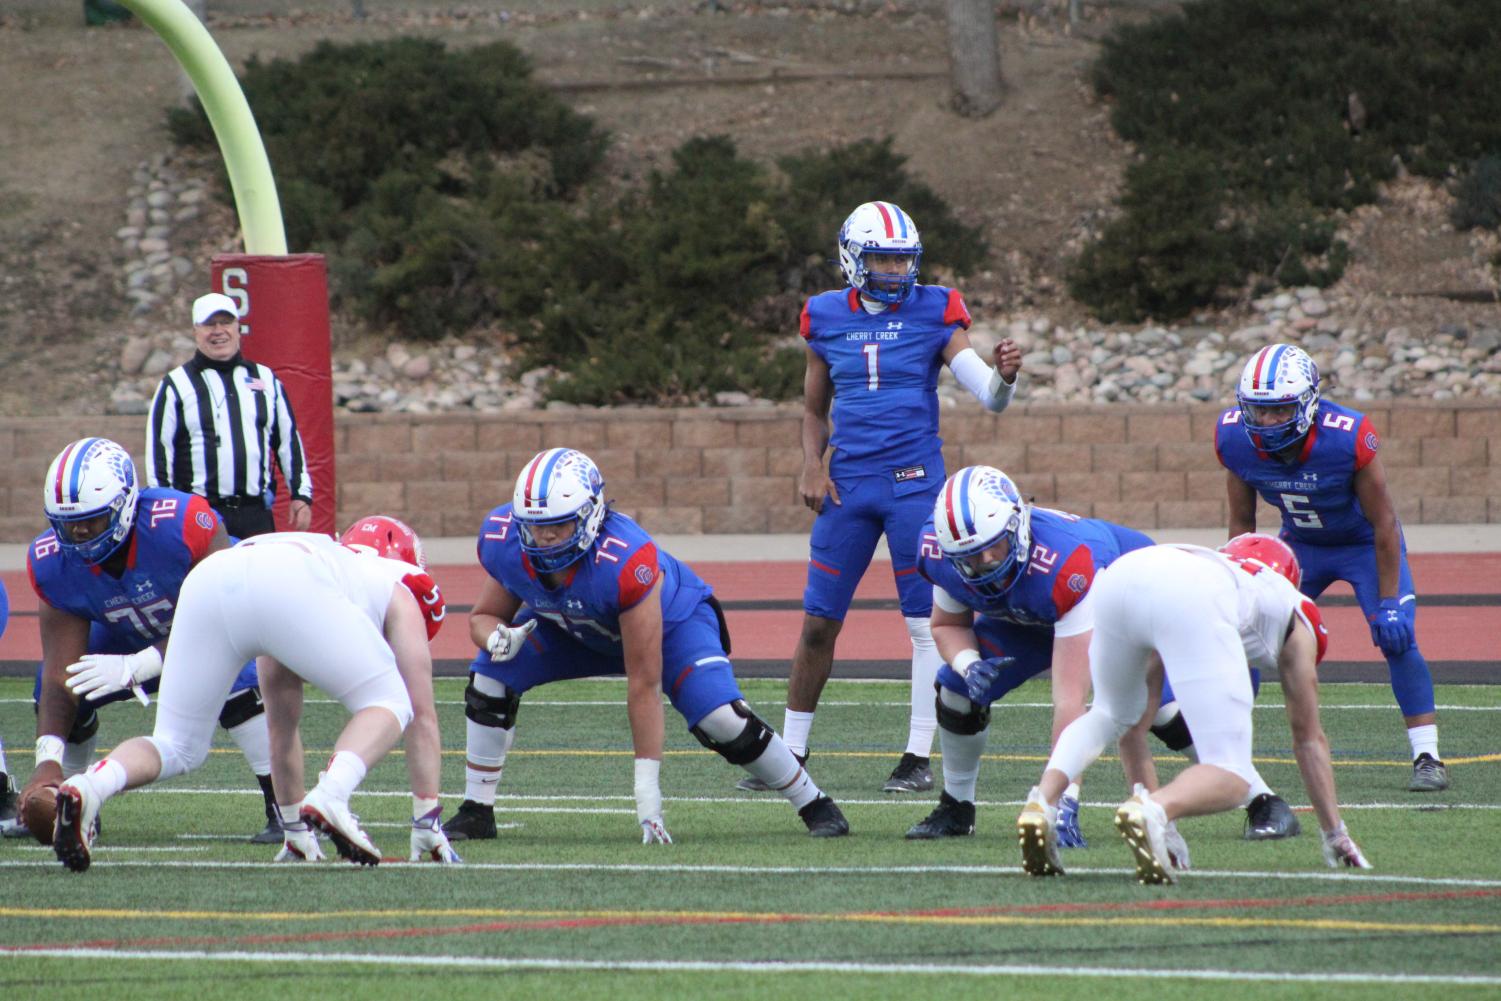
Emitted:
<point x="981" y="675"/>
<point x="1390" y="629"/>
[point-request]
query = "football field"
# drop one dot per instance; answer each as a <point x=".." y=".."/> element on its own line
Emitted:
<point x="566" y="903"/>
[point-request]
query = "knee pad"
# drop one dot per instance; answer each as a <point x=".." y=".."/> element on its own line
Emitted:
<point x="488" y="708"/>
<point x="960" y="721"/>
<point x="85" y="725"/>
<point x="1174" y="733"/>
<point x="241" y="707"/>
<point x="742" y="748"/>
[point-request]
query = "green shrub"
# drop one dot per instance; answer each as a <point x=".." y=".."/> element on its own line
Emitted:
<point x="1262" y="93"/>
<point x="1477" y="196"/>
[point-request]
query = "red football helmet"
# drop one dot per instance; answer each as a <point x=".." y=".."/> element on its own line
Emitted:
<point x="1267" y="550"/>
<point x="388" y="537"/>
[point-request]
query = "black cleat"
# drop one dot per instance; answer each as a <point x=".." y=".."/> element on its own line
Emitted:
<point x="750" y="783"/>
<point x="471" y="822"/>
<point x="1428" y="774"/>
<point x="7" y="799"/>
<point x="949" y="819"/>
<point x="1269" y="818"/>
<point x="824" y="819"/>
<point x="911" y="774"/>
<point x="271" y="834"/>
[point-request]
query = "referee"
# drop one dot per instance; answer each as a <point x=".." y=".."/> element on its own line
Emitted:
<point x="219" y="422"/>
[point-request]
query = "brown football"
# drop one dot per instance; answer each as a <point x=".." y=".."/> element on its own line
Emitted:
<point x="39" y="811"/>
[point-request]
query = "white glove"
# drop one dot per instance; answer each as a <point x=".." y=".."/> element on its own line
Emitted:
<point x="505" y="642"/>
<point x="100" y="674"/>
<point x="1341" y="849"/>
<point x="299" y="845"/>
<point x="429" y="840"/>
<point x="1177" y="848"/>
<point x="649" y="802"/>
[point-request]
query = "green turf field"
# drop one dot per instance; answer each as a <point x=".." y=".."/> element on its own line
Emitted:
<point x="568" y="904"/>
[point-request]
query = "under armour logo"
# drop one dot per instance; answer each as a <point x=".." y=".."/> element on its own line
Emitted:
<point x="893" y="324"/>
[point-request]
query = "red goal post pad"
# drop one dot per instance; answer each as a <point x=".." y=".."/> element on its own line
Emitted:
<point x="284" y="324"/>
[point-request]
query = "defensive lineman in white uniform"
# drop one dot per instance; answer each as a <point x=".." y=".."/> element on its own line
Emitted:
<point x="336" y="618"/>
<point x="1203" y="617"/>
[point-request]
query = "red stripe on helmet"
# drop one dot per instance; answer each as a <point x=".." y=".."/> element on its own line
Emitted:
<point x="1261" y="358"/>
<point x="62" y="470"/>
<point x="531" y="477"/>
<point x="886" y="218"/>
<point x="948" y="507"/>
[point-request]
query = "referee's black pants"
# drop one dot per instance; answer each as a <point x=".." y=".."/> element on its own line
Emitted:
<point x="244" y="520"/>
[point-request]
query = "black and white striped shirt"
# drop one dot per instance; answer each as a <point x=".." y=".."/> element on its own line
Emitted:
<point x="215" y="428"/>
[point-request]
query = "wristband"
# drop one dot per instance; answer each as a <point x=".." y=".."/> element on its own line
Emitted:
<point x="962" y="661"/>
<point x="49" y="748"/>
<point x="648" y="788"/>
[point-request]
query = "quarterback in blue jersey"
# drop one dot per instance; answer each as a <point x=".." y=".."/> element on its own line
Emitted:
<point x="874" y="351"/>
<point x="108" y="574"/>
<point x="577" y="590"/>
<point x="1317" y="463"/>
<point x="1010" y="600"/>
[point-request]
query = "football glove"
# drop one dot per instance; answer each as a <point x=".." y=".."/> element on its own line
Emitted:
<point x="99" y="674"/>
<point x="1177" y="848"/>
<point x="429" y="840"/>
<point x="648" y="791"/>
<point x="981" y="674"/>
<point x="299" y="844"/>
<point x="1390" y="629"/>
<point x="505" y="642"/>
<point x="1341" y="850"/>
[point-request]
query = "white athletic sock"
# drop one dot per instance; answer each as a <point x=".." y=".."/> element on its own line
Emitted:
<point x="1424" y="739"/>
<point x="291" y="814"/>
<point x="76" y="757"/>
<point x="422" y="806"/>
<point x="107" y="778"/>
<point x="780" y="771"/>
<point x="344" y="774"/>
<point x="795" y="729"/>
<point x="254" y="741"/>
<point x="925" y="663"/>
<point x="486" y="746"/>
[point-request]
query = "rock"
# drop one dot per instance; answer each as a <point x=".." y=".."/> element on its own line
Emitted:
<point x="133" y="354"/>
<point x="417" y="367"/>
<point x="158" y="362"/>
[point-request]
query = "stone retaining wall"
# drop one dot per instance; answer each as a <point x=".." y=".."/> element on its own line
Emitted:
<point x="734" y="470"/>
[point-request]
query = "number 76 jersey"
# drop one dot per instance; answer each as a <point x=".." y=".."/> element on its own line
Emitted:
<point x="172" y="532"/>
<point x="1316" y="490"/>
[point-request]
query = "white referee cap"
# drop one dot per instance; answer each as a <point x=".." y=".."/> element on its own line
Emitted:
<point x="206" y="306"/>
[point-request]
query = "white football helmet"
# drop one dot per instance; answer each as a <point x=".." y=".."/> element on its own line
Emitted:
<point x="977" y="508"/>
<point x="879" y="229"/>
<point x="90" y="478"/>
<point x="557" y="486"/>
<point x="1276" y="376"/>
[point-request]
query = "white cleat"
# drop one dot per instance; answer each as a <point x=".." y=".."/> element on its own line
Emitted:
<point x="322" y="812"/>
<point x="77" y="823"/>
<point x="1036" y="832"/>
<point x="1143" y="824"/>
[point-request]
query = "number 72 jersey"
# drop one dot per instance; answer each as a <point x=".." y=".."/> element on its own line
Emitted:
<point x="1316" y="490"/>
<point x="172" y="532"/>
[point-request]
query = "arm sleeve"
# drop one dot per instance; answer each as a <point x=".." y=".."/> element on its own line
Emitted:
<point x="288" y="445"/>
<point x="161" y="429"/>
<point x="983" y="381"/>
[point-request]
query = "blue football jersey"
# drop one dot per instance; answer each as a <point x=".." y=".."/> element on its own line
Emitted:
<point x="614" y="575"/>
<point x="172" y="532"/>
<point x="1316" y="490"/>
<point x="884" y="367"/>
<point x="1067" y="552"/>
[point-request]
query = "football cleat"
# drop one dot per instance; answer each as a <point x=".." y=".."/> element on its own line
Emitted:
<point x="911" y="774"/>
<point x="951" y="818"/>
<point x="8" y="811"/>
<point x="299" y="846"/>
<point x="322" y="812"/>
<point x="1268" y="818"/>
<point x="76" y="826"/>
<point x="824" y="819"/>
<point x="1428" y="775"/>
<point x="1067" y="829"/>
<point x="1143" y="825"/>
<point x="471" y="822"/>
<point x="752" y="784"/>
<point x="268" y="835"/>
<point x="1037" y="835"/>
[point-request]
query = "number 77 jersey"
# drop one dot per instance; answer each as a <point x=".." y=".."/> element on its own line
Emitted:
<point x="1315" y="491"/>
<point x="172" y="532"/>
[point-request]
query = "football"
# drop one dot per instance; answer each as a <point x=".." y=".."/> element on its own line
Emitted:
<point x="39" y="811"/>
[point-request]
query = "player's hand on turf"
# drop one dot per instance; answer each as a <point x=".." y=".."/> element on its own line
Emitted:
<point x="1007" y="358"/>
<point x="299" y="844"/>
<point x="982" y="674"/>
<point x="505" y="642"/>
<point x="99" y="674"/>
<point x="429" y="841"/>
<point x="654" y="832"/>
<point x="1390" y="629"/>
<point x="1177" y="847"/>
<point x="1341" y="850"/>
